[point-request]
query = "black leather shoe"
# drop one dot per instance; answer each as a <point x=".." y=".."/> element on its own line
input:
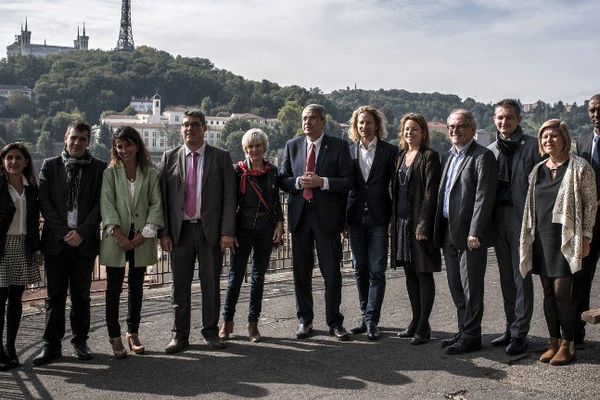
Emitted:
<point x="12" y="358"/>
<point x="418" y="339"/>
<point x="47" y="355"/>
<point x="303" y="330"/>
<point x="451" y="341"/>
<point x="373" y="332"/>
<point x="176" y="345"/>
<point x="362" y="328"/>
<point x="3" y="359"/>
<point x="463" y="346"/>
<point x="501" y="340"/>
<point x="215" y="343"/>
<point x="340" y="333"/>
<point x="408" y="332"/>
<point x="82" y="351"/>
<point x="516" y="346"/>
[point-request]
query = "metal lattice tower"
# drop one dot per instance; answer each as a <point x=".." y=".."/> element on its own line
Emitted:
<point x="125" y="41"/>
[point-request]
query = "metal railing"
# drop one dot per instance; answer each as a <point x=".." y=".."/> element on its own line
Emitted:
<point x="160" y="273"/>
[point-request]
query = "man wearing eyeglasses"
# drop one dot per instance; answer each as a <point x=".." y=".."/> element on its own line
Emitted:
<point x="462" y="228"/>
<point x="198" y="191"/>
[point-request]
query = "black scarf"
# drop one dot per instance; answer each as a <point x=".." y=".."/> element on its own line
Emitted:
<point x="506" y="148"/>
<point x="73" y="167"/>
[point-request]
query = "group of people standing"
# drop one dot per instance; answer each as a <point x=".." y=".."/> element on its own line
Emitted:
<point x="532" y="200"/>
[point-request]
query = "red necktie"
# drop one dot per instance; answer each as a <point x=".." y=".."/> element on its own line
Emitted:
<point x="310" y="167"/>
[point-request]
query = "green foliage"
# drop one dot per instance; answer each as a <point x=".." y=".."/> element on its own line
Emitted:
<point x="44" y="144"/>
<point x="233" y="144"/>
<point x="17" y="105"/>
<point x="234" y="125"/>
<point x="105" y="136"/>
<point x="26" y="128"/>
<point x="129" y="111"/>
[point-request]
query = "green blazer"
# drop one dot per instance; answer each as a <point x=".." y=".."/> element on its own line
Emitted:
<point x="115" y="207"/>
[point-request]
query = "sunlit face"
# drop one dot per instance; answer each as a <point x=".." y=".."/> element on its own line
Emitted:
<point x="594" y="113"/>
<point x="192" y="131"/>
<point x="460" y="130"/>
<point x="14" y="162"/>
<point x="367" y="128"/>
<point x="77" y="142"/>
<point x="412" y="132"/>
<point x="126" y="150"/>
<point x="255" y="150"/>
<point x="312" y="124"/>
<point x="553" y="143"/>
<point x="506" y="120"/>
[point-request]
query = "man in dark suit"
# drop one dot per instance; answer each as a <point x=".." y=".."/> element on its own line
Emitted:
<point x="463" y="226"/>
<point x="588" y="147"/>
<point x="199" y="197"/>
<point x="70" y="204"/>
<point x="516" y="154"/>
<point x="368" y="213"/>
<point x="317" y="173"/>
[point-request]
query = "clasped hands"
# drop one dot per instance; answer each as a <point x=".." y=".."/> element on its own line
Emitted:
<point x="310" y="180"/>
<point x="126" y="244"/>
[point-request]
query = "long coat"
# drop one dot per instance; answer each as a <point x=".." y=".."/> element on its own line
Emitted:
<point x="115" y="206"/>
<point x="423" y="185"/>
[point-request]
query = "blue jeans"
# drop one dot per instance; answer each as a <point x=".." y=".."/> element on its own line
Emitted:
<point x="369" y="245"/>
<point x="261" y="240"/>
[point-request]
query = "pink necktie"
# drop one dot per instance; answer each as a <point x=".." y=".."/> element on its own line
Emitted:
<point x="191" y="186"/>
<point x="310" y="167"/>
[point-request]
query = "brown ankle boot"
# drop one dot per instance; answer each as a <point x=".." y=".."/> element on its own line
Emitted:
<point x="226" y="330"/>
<point x="551" y="352"/>
<point x="253" y="333"/>
<point x="565" y="354"/>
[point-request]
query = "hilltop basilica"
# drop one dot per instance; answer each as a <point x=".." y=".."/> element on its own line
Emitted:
<point x="23" y="46"/>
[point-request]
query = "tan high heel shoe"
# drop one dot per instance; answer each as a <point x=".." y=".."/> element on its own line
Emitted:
<point x="253" y="333"/>
<point x="117" y="347"/>
<point x="134" y="343"/>
<point x="226" y="330"/>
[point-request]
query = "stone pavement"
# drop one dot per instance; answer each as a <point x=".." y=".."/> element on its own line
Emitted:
<point x="285" y="368"/>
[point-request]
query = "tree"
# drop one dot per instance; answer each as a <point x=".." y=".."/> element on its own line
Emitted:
<point x="234" y="125"/>
<point x="290" y="118"/>
<point x="17" y="105"/>
<point x="3" y="132"/>
<point x="172" y="136"/>
<point x="44" y="144"/>
<point x="206" y="105"/>
<point x="129" y="111"/>
<point x="105" y="136"/>
<point x="233" y="144"/>
<point x="26" y="128"/>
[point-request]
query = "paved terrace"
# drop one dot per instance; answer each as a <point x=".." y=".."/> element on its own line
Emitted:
<point x="282" y="367"/>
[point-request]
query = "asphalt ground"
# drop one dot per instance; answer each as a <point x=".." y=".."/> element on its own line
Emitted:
<point x="320" y="367"/>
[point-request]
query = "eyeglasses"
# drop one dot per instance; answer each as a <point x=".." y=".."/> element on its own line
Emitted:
<point x="459" y="127"/>
<point x="194" y="124"/>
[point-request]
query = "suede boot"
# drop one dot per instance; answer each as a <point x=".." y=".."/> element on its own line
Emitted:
<point x="551" y="352"/>
<point x="565" y="354"/>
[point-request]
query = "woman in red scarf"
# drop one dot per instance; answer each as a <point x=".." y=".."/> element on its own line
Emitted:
<point x="259" y="226"/>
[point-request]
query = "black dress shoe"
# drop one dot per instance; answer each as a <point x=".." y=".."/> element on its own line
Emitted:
<point x="82" y="351"/>
<point x="463" y="346"/>
<point x="340" y="333"/>
<point x="362" y="328"/>
<point x="373" y="332"/>
<point x="215" y="343"/>
<point x="47" y="355"/>
<point x="3" y="359"/>
<point x="516" y="346"/>
<point x="12" y="358"/>
<point x="176" y="345"/>
<point x="303" y="330"/>
<point x="408" y="332"/>
<point x="418" y="339"/>
<point x="501" y="340"/>
<point x="451" y="341"/>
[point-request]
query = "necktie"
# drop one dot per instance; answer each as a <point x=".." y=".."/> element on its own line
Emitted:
<point x="191" y="186"/>
<point x="310" y="167"/>
<point x="596" y="161"/>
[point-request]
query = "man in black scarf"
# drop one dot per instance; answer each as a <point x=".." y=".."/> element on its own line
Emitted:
<point x="516" y="154"/>
<point x="70" y="203"/>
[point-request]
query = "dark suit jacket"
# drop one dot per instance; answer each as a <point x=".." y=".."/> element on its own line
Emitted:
<point x="524" y="158"/>
<point x="53" y="201"/>
<point x="423" y="184"/>
<point x="375" y="192"/>
<point x="219" y="197"/>
<point x="472" y="197"/>
<point x="584" y="146"/>
<point x="334" y="163"/>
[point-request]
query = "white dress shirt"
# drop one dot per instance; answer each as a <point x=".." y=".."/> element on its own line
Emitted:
<point x="366" y="155"/>
<point x="18" y="225"/>
<point x="317" y="144"/>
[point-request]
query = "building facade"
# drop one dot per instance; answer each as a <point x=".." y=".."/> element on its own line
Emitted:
<point x="23" y="46"/>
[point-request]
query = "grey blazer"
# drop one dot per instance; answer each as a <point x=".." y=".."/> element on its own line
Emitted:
<point x="524" y="158"/>
<point x="219" y="198"/>
<point x="472" y="197"/>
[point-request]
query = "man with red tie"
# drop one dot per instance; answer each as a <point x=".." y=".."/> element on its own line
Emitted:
<point x="199" y="197"/>
<point x="317" y="173"/>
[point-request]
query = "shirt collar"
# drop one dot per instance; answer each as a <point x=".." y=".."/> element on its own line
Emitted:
<point x="462" y="150"/>
<point x="371" y="145"/>
<point x="200" y="151"/>
<point x="317" y="142"/>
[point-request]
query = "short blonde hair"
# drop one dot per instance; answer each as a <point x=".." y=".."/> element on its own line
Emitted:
<point x="562" y="129"/>
<point x="377" y="116"/>
<point x="255" y="135"/>
<point x="421" y="121"/>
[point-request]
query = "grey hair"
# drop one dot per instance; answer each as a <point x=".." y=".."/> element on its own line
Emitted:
<point x="316" y="107"/>
<point x="255" y="135"/>
<point x="465" y="113"/>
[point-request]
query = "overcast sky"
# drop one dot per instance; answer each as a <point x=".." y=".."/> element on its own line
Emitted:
<point x="485" y="49"/>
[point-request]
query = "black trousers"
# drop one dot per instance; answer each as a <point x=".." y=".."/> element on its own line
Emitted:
<point x="68" y="271"/>
<point x="11" y="295"/>
<point x="310" y="234"/>
<point x="135" y="289"/>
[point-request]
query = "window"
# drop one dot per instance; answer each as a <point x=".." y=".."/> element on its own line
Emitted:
<point x="154" y="142"/>
<point x="176" y="118"/>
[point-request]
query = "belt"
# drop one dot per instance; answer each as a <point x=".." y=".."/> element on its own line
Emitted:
<point x="192" y="221"/>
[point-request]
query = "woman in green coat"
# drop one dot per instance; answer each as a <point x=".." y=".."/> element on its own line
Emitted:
<point x="131" y="215"/>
